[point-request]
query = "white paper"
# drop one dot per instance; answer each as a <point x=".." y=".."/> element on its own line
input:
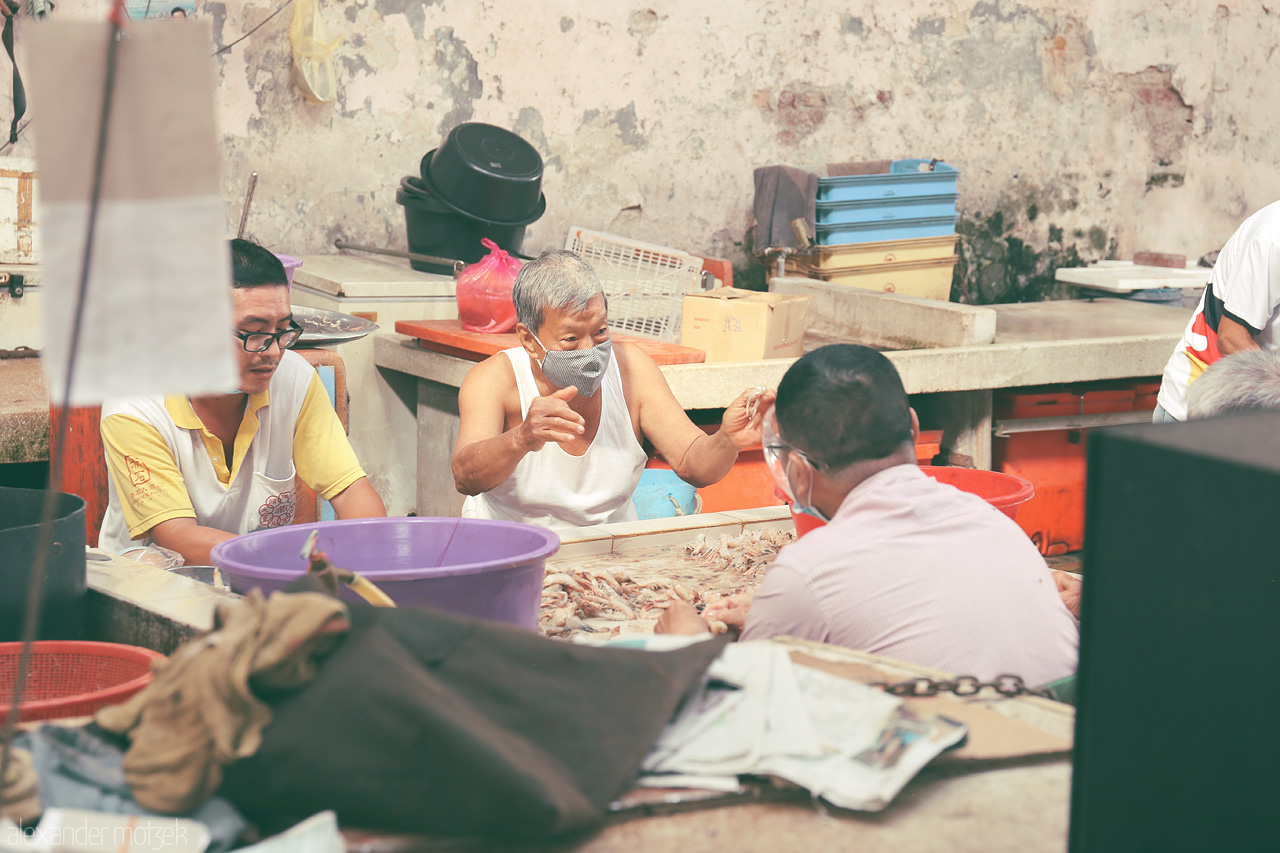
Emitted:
<point x="157" y="316"/>
<point x="853" y="745"/>
<point x="317" y="834"/>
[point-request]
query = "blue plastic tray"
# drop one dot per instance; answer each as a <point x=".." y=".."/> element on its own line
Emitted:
<point x="903" y="180"/>
<point x="876" y="210"/>
<point x="892" y="229"/>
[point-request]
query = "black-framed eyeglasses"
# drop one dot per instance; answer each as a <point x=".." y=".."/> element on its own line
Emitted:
<point x="261" y="341"/>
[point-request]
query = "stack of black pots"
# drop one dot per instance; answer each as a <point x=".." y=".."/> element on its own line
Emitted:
<point x="482" y="181"/>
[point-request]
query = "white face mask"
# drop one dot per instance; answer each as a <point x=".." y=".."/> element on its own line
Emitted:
<point x="782" y="458"/>
<point x="582" y="368"/>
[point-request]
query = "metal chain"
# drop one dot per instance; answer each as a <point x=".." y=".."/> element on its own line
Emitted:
<point x="964" y="685"/>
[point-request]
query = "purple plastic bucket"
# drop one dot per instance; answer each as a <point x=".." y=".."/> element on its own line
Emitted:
<point x="491" y="569"/>
<point x="290" y="264"/>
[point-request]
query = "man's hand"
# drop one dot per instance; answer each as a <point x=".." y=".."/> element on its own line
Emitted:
<point x="551" y="419"/>
<point x="1069" y="587"/>
<point x="681" y="618"/>
<point x="732" y="611"/>
<point x="742" y="420"/>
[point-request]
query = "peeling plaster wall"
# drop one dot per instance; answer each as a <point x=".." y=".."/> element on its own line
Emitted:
<point x="1082" y="130"/>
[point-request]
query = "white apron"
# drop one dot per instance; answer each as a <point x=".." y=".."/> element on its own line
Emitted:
<point x="557" y="490"/>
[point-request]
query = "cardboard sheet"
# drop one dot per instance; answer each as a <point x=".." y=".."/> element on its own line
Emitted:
<point x="158" y="308"/>
<point x="992" y="736"/>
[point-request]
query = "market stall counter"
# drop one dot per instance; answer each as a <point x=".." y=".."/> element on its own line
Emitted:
<point x="1034" y="344"/>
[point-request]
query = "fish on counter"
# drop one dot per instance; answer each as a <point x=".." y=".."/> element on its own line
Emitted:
<point x="600" y="597"/>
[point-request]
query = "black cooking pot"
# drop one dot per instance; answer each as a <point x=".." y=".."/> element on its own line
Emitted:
<point x="413" y="187"/>
<point x="486" y="172"/>
<point x="436" y="229"/>
<point x="62" y="611"/>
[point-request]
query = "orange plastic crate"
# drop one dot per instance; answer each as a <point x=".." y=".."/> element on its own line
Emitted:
<point x="1054" y="462"/>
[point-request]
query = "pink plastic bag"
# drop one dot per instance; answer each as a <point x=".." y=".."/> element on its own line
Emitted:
<point x="484" y="292"/>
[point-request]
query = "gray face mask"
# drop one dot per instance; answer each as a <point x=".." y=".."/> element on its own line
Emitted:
<point x="581" y="368"/>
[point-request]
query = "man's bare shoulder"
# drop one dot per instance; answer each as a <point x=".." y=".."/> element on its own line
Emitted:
<point x="634" y="362"/>
<point x="495" y="372"/>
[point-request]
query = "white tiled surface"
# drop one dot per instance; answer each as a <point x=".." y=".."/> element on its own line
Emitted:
<point x="764" y="518"/>
<point x="584" y="542"/>
<point x="182" y="600"/>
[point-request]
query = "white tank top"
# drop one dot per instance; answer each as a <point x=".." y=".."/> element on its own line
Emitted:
<point x="555" y="489"/>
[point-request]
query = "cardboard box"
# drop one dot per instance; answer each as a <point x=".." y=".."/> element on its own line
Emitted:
<point x="742" y="325"/>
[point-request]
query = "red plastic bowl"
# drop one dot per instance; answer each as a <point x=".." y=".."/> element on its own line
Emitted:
<point x="73" y="678"/>
<point x="1005" y="492"/>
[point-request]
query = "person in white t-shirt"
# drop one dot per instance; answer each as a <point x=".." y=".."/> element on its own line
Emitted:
<point x="1238" y="312"/>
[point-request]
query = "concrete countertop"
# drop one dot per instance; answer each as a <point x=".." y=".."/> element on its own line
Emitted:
<point x="24" y="411"/>
<point x="1087" y="319"/>
<point x="369" y="277"/>
<point x="1038" y="343"/>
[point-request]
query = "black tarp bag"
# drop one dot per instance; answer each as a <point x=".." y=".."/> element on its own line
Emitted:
<point x="422" y="721"/>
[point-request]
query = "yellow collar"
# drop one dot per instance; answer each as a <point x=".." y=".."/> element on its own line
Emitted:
<point x="184" y="414"/>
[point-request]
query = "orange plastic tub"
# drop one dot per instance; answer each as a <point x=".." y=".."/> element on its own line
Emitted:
<point x="749" y="484"/>
<point x="1005" y="492"/>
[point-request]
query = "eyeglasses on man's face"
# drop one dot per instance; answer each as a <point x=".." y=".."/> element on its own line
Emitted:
<point x="261" y="341"/>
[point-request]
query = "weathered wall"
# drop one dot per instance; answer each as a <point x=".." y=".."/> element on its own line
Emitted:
<point x="1082" y="129"/>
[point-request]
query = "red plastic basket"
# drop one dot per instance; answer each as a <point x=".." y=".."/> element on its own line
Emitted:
<point x="73" y="678"/>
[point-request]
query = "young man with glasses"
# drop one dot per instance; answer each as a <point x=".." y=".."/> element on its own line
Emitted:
<point x="189" y="472"/>
<point x="905" y="566"/>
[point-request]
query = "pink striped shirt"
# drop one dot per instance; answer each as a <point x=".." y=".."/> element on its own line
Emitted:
<point x="920" y="571"/>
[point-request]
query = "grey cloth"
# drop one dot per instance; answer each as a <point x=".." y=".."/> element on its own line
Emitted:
<point x="783" y="194"/>
<point x="83" y="768"/>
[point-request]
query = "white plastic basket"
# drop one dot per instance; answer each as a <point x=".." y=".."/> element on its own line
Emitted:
<point x="645" y="284"/>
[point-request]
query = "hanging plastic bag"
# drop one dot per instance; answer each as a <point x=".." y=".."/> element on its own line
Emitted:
<point x="484" y="292"/>
<point x="312" y="63"/>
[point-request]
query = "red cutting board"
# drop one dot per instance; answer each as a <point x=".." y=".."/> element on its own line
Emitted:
<point x="448" y="337"/>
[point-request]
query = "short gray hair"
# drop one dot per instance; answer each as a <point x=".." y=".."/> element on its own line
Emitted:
<point x="556" y="280"/>
<point x="1244" y="382"/>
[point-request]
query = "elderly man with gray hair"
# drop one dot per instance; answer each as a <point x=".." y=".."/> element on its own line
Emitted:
<point x="1240" y="383"/>
<point x="551" y="431"/>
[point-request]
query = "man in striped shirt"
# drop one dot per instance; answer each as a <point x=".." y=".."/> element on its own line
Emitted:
<point x="905" y="566"/>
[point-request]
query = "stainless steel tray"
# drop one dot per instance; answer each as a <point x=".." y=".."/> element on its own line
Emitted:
<point x="323" y="328"/>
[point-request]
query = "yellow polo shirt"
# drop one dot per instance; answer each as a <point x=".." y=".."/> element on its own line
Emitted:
<point x="322" y="456"/>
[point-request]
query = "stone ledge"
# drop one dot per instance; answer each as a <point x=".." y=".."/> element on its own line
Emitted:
<point x="24" y="411"/>
<point x="889" y="320"/>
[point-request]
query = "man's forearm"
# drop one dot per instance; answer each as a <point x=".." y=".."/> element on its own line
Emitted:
<point x="189" y="539"/>
<point x="482" y="465"/>
<point x="1234" y="337"/>
<point x="707" y="460"/>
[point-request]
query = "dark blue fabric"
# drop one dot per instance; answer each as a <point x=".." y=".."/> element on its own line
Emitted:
<point x="83" y="768"/>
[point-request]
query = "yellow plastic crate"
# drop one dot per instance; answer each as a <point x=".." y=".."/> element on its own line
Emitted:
<point x="924" y="279"/>
<point x="846" y="255"/>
